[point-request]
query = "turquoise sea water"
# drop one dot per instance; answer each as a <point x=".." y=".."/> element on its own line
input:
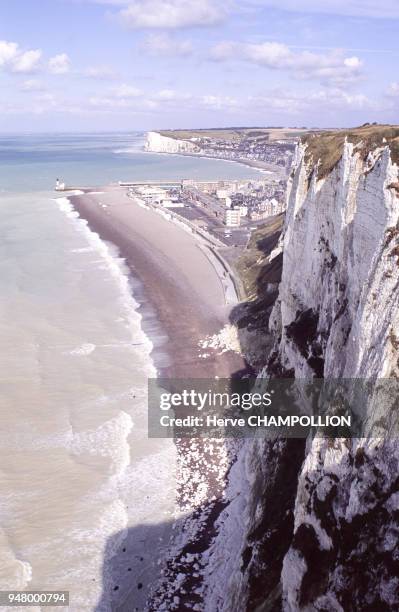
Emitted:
<point x="77" y="470"/>
<point x="31" y="162"/>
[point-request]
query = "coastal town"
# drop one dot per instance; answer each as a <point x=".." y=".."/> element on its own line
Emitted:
<point x="255" y="147"/>
<point x="270" y="149"/>
<point x="226" y="210"/>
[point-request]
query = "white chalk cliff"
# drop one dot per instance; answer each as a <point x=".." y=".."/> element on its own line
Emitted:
<point x="158" y="143"/>
<point x="339" y="261"/>
<point x="314" y="525"/>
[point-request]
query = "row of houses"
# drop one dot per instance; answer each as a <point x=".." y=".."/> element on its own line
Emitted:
<point x="228" y="201"/>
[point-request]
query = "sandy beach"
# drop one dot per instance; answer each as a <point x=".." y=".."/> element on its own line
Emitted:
<point x="185" y="301"/>
<point x="179" y="283"/>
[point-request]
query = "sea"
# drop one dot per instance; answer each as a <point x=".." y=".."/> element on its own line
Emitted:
<point x="87" y="501"/>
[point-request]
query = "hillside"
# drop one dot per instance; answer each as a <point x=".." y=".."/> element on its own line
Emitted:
<point x="236" y="133"/>
<point x="259" y="268"/>
<point x="327" y="146"/>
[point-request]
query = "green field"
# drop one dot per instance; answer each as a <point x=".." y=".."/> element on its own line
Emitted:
<point x="236" y="134"/>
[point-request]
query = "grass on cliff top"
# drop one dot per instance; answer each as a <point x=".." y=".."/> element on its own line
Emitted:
<point x="236" y="133"/>
<point x="229" y="134"/>
<point x="327" y="146"/>
<point x="253" y="266"/>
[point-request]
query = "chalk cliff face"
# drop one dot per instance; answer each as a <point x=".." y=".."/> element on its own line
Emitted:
<point x="158" y="143"/>
<point x="339" y="269"/>
<point x="314" y="525"/>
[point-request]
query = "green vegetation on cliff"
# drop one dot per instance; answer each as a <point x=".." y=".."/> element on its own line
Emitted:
<point x="327" y="146"/>
<point x="236" y="133"/>
<point x="260" y="278"/>
<point x="253" y="265"/>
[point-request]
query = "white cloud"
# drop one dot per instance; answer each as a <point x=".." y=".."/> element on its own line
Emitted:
<point x="283" y="104"/>
<point x="8" y="52"/>
<point x="393" y="90"/>
<point x="167" y="94"/>
<point x="326" y="99"/>
<point x="123" y="96"/>
<point x="171" y="96"/>
<point x="331" y="67"/>
<point x="27" y="62"/>
<point x="15" y="59"/>
<point x="220" y="102"/>
<point x="384" y="9"/>
<point x="127" y="91"/>
<point x="59" y="64"/>
<point x="100" y="72"/>
<point x="281" y="100"/>
<point x="47" y="98"/>
<point x="171" y="13"/>
<point x="44" y="103"/>
<point x="31" y="85"/>
<point x="126" y="98"/>
<point x="111" y="104"/>
<point x="340" y="98"/>
<point x="164" y="45"/>
<point x="352" y="62"/>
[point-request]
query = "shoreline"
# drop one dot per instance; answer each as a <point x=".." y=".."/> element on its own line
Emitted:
<point x="182" y="302"/>
<point x="161" y="292"/>
<point x="139" y="457"/>
<point x="254" y="164"/>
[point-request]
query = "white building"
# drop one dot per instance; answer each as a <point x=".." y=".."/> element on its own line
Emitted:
<point x="160" y="196"/>
<point x="232" y="217"/>
<point x="59" y="186"/>
<point x="221" y="194"/>
<point x="153" y="194"/>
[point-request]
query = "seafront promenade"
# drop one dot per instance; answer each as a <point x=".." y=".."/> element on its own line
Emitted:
<point x="211" y="246"/>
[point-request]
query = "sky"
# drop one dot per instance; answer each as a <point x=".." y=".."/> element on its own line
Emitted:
<point x="103" y="65"/>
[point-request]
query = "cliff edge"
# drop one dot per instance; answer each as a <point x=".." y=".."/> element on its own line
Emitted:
<point x="313" y="524"/>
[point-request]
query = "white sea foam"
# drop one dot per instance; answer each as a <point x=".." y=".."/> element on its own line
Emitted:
<point x="78" y="468"/>
<point x="15" y="574"/>
<point x="80" y="429"/>
<point x="83" y="349"/>
<point x="66" y="207"/>
<point x="117" y="267"/>
<point x="126" y="150"/>
<point x="109" y="439"/>
<point x="86" y="443"/>
<point x="83" y="250"/>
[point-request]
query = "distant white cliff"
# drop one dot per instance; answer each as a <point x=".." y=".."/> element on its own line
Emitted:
<point x="313" y="525"/>
<point x="158" y="143"/>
